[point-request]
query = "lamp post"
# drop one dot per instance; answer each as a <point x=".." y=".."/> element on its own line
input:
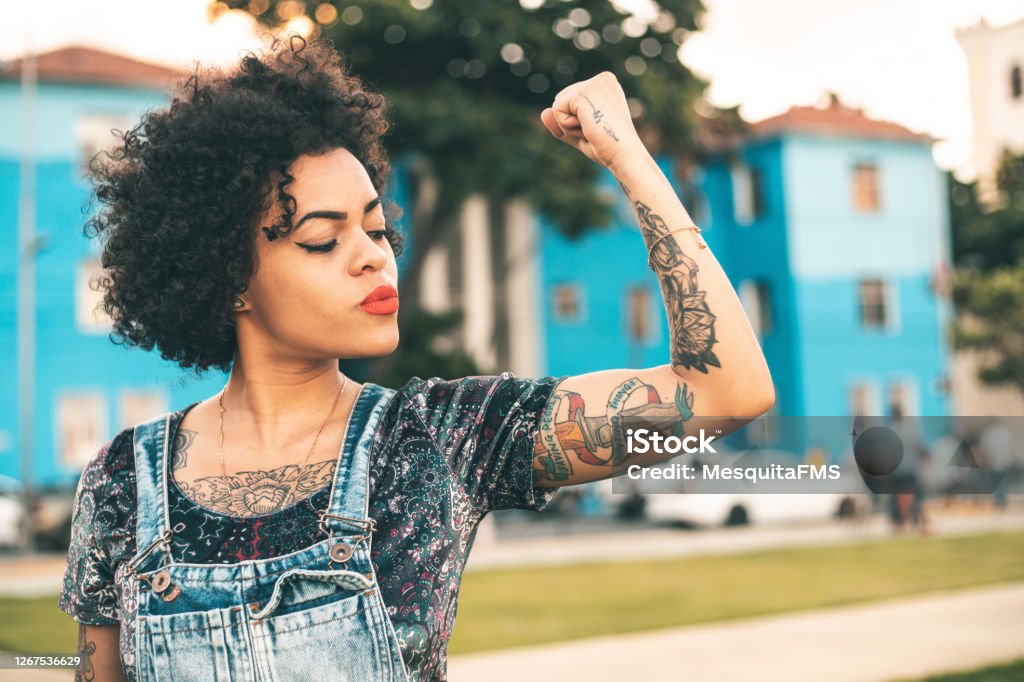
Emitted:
<point x="27" y="247"/>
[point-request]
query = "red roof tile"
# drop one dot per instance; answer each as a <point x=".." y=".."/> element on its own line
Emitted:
<point x="88" y="65"/>
<point x="836" y="119"/>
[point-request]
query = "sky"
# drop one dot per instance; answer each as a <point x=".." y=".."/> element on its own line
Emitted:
<point x="897" y="59"/>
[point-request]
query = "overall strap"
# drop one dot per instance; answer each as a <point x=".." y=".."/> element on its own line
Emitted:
<point x="351" y="491"/>
<point x="150" y="445"/>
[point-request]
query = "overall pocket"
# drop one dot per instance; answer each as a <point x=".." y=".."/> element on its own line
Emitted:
<point x="299" y="589"/>
<point x="194" y="646"/>
<point x="320" y="621"/>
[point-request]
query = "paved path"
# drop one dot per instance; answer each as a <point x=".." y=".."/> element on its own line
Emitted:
<point x="876" y="642"/>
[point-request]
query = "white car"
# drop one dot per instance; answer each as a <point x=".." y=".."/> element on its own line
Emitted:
<point x="12" y="514"/>
<point x="740" y="504"/>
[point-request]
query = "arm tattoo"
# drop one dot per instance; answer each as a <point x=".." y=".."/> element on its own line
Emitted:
<point x="691" y="322"/>
<point x="568" y="434"/>
<point x="179" y="454"/>
<point x="248" y="493"/>
<point x="85" y="650"/>
<point x="598" y="117"/>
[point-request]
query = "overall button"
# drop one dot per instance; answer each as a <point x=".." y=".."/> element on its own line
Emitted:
<point x="340" y="551"/>
<point x="172" y="593"/>
<point x="161" y="581"/>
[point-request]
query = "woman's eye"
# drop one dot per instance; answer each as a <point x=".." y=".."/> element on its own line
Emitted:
<point x="380" y="234"/>
<point x="320" y="248"/>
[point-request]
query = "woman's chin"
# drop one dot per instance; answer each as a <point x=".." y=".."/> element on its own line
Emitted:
<point x="377" y="345"/>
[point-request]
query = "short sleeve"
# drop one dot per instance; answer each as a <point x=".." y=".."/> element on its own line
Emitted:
<point x="88" y="593"/>
<point x="485" y="426"/>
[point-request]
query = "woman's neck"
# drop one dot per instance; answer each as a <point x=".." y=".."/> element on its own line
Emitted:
<point x="275" y="405"/>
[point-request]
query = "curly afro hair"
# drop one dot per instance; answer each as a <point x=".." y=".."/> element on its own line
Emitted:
<point x="182" y="195"/>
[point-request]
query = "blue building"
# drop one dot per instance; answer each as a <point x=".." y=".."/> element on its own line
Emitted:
<point x="86" y="388"/>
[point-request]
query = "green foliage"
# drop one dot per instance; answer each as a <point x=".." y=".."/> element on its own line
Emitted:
<point x="1012" y="671"/>
<point x="1010" y="178"/>
<point x="460" y="96"/>
<point x="988" y="285"/>
<point x="996" y="322"/>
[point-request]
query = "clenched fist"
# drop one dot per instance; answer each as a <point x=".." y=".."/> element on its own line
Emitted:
<point x="593" y="116"/>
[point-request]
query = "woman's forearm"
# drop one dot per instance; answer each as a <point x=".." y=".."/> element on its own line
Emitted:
<point x="710" y="332"/>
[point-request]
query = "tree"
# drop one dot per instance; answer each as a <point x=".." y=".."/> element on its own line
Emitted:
<point x="467" y="81"/>
<point x="988" y="285"/>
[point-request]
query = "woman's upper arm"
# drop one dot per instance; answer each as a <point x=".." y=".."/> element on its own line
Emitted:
<point x="585" y="424"/>
<point x="99" y="654"/>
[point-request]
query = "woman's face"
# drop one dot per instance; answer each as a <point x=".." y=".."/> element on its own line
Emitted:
<point x="305" y="304"/>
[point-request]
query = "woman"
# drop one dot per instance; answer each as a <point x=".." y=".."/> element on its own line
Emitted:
<point x="297" y="522"/>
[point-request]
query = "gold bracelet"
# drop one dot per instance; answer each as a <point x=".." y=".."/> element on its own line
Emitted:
<point x="700" y="241"/>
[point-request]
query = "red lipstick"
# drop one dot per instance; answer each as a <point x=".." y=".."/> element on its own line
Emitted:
<point x="381" y="301"/>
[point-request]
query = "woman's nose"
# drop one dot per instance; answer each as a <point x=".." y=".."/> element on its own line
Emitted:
<point x="374" y="253"/>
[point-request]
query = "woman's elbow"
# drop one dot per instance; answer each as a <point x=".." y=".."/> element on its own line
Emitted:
<point x="761" y="391"/>
<point x="767" y="400"/>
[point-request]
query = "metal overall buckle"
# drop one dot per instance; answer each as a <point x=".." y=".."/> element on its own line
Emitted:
<point x="341" y="550"/>
<point x="161" y="581"/>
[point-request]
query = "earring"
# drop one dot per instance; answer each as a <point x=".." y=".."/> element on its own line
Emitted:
<point x="239" y="303"/>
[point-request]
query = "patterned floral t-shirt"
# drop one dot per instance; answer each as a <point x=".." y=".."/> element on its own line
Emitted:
<point x="445" y="453"/>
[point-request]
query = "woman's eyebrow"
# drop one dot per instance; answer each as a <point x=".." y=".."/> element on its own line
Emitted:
<point x="335" y="215"/>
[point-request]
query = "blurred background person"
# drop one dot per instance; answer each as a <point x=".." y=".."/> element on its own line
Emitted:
<point x="996" y="452"/>
<point x="905" y="503"/>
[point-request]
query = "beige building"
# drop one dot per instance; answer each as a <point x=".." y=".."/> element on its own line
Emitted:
<point x="995" y="60"/>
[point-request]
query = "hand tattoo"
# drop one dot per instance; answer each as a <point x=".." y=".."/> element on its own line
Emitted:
<point x="598" y="117"/>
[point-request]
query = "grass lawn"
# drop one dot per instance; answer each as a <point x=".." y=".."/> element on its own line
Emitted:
<point x="1005" y="672"/>
<point x="506" y="608"/>
<point x="516" y="607"/>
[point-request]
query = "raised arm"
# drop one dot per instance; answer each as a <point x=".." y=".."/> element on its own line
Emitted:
<point x="716" y="379"/>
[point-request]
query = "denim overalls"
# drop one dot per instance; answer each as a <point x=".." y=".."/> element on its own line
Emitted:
<point x="316" y="612"/>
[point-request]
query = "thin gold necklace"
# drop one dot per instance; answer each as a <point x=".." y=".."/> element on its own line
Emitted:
<point x="220" y="401"/>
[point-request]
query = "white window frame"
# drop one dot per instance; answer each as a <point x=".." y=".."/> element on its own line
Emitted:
<point x="877" y="188"/>
<point x="581" y="309"/>
<point x="742" y="195"/>
<point x="890" y="301"/>
<point x="910" y="388"/>
<point x="138" y="405"/>
<point x="873" y="393"/>
<point x="81" y="416"/>
<point x="647" y="312"/>
<point x="750" y="297"/>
